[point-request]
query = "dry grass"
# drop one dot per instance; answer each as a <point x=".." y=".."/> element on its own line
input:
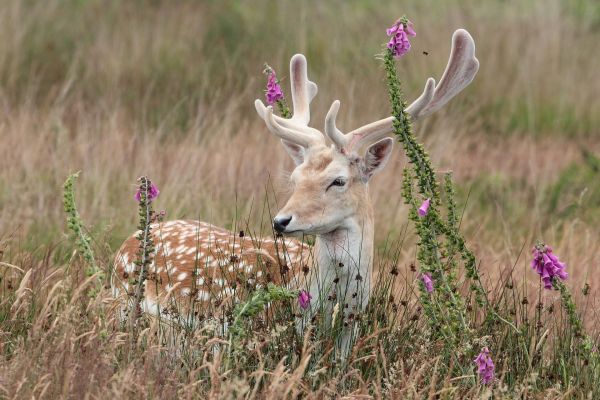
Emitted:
<point x="120" y="89"/>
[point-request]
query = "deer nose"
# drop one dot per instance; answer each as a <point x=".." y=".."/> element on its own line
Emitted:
<point x="280" y="223"/>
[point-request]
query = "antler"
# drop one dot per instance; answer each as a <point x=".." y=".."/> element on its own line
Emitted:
<point x="295" y="129"/>
<point x="460" y="71"/>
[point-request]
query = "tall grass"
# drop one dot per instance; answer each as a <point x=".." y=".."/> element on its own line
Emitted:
<point x="121" y="89"/>
<point x="104" y="78"/>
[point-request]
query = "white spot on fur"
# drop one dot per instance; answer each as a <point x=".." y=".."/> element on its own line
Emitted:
<point x="170" y="267"/>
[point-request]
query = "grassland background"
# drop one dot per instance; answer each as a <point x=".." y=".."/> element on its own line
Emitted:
<point x="118" y="89"/>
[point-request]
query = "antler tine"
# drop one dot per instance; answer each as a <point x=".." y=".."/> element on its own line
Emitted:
<point x="295" y="129"/>
<point x="336" y="136"/>
<point x="347" y="142"/>
<point x="286" y="128"/>
<point x="461" y="69"/>
<point x="422" y="101"/>
<point x="303" y="90"/>
<point x="304" y="139"/>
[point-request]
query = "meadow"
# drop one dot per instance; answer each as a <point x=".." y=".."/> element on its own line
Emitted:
<point x="166" y="89"/>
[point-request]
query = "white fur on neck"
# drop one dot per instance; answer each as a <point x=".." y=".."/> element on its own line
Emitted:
<point x="345" y="254"/>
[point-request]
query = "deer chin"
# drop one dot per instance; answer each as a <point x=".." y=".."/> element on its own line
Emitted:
<point x="310" y="229"/>
<point x="298" y="234"/>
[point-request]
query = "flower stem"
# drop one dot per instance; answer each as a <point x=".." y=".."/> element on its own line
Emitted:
<point x="82" y="239"/>
<point x="584" y="341"/>
<point x="144" y="257"/>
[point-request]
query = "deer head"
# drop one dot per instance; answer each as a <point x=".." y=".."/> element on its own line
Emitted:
<point x="330" y="182"/>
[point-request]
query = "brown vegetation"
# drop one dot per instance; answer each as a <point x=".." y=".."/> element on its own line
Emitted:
<point x="120" y="89"/>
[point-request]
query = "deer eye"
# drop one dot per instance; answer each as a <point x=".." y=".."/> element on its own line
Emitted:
<point x="337" y="182"/>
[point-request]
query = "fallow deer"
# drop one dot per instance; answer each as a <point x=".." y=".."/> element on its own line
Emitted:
<point x="198" y="262"/>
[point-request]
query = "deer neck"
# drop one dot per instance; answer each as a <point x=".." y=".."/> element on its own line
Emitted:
<point x="347" y="254"/>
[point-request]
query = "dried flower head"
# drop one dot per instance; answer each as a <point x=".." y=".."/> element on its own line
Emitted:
<point x="424" y="208"/>
<point x="547" y="265"/>
<point x="153" y="193"/>
<point x="399" y="33"/>
<point x="304" y="299"/>
<point x="273" y="93"/>
<point x="485" y="366"/>
<point x="427" y="281"/>
<point x="159" y="216"/>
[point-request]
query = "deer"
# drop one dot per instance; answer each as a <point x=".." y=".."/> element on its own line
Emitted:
<point x="201" y="263"/>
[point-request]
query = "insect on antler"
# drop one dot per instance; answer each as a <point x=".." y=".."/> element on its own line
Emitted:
<point x="460" y="71"/>
<point x="295" y="129"/>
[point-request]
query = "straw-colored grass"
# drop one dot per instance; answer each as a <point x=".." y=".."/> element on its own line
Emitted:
<point x="166" y="88"/>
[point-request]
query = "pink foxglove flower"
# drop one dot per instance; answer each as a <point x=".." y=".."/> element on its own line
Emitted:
<point x="424" y="208"/>
<point x="273" y="93"/>
<point x="153" y="193"/>
<point x="304" y="299"/>
<point x="399" y="33"/>
<point x="547" y="265"/>
<point x="427" y="281"/>
<point x="485" y="366"/>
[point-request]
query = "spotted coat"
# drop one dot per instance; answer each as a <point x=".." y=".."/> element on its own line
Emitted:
<point x="199" y="265"/>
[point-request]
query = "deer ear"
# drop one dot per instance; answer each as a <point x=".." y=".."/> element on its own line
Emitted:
<point x="294" y="150"/>
<point x="376" y="157"/>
